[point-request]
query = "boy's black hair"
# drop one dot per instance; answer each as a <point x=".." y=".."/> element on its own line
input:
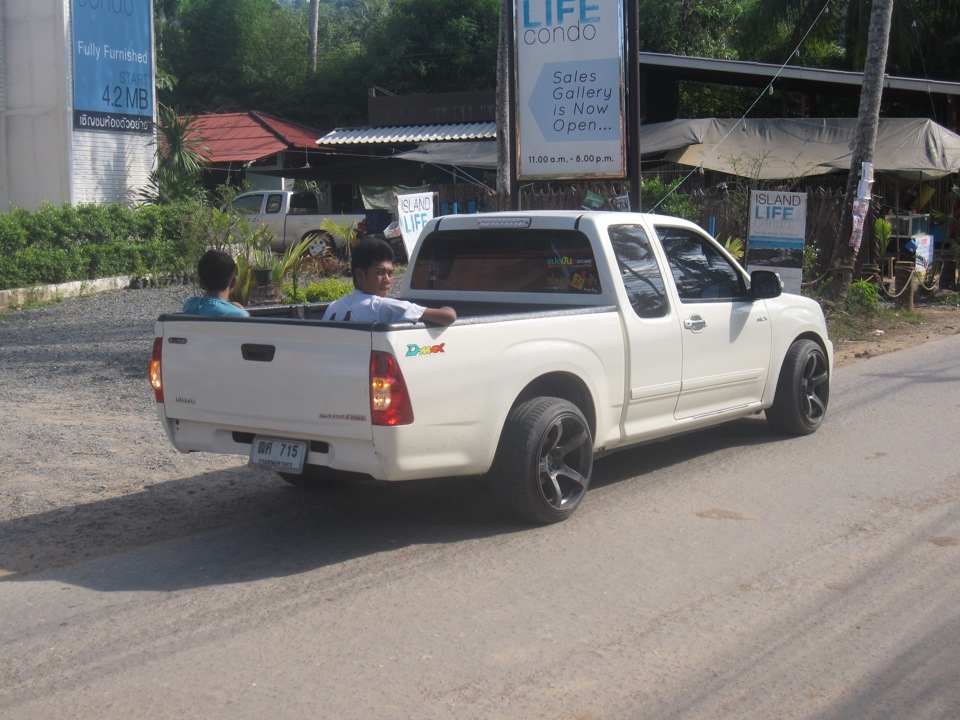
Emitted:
<point x="216" y="269"/>
<point x="367" y="253"/>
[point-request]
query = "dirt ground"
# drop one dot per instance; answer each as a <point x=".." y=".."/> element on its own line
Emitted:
<point x="938" y="321"/>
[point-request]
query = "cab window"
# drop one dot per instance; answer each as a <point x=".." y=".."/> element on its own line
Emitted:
<point x="247" y="204"/>
<point x="274" y="203"/>
<point x="700" y="271"/>
<point x="639" y="270"/>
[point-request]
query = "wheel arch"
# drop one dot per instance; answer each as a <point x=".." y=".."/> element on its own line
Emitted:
<point x="562" y="385"/>
<point x="776" y="364"/>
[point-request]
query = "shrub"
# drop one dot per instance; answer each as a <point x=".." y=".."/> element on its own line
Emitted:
<point x="62" y="243"/>
<point x="326" y="290"/>
<point x="662" y="198"/>
<point x="863" y="297"/>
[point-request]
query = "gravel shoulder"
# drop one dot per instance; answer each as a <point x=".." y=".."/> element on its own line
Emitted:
<point x="85" y="469"/>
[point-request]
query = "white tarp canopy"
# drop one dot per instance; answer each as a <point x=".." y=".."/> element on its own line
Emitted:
<point x="771" y="149"/>
<point x="764" y="149"/>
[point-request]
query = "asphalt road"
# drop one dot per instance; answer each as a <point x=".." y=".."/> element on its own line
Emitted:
<point x="724" y="574"/>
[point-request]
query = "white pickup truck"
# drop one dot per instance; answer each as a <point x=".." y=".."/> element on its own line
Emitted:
<point x="578" y="333"/>
<point x="291" y="216"/>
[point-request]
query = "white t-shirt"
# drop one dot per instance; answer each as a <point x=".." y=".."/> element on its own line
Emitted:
<point x="359" y="306"/>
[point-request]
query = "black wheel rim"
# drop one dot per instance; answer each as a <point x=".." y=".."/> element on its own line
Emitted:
<point x="566" y="458"/>
<point x="814" y="387"/>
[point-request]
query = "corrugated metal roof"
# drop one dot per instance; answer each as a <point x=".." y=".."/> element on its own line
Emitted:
<point x="410" y="134"/>
<point x="242" y="137"/>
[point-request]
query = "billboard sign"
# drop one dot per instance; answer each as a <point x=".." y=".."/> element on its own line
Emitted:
<point x="570" y="88"/>
<point x="778" y="225"/>
<point x="113" y="65"/>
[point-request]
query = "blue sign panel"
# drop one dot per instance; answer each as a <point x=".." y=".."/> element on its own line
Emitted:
<point x="113" y="65"/>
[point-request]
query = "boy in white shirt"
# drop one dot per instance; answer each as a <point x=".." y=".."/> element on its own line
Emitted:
<point x="372" y="267"/>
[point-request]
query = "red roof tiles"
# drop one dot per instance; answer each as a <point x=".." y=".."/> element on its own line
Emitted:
<point x="249" y="136"/>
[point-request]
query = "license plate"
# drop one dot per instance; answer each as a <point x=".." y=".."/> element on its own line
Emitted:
<point x="278" y="454"/>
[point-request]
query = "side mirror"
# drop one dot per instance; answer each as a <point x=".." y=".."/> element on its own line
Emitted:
<point x="765" y="284"/>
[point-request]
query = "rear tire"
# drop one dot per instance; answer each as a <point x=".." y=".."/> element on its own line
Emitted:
<point x="321" y="243"/>
<point x="803" y="390"/>
<point x="544" y="460"/>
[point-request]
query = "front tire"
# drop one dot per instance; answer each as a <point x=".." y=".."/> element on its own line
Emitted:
<point x="803" y="390"/>
<point x="544" y="461"/>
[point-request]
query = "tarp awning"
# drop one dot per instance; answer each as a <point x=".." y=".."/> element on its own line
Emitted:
<point x="771" y="149"/>
<point x="763" y="149"/>
<point x="482" y="154"/>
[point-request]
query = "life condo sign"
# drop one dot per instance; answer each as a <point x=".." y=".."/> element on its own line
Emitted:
<point x="570" y="88"/>
<point x="113" y="65"/>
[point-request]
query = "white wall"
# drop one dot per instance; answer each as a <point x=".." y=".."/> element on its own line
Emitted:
<point x="36" y="115"/>
<point x="42" y="158"/>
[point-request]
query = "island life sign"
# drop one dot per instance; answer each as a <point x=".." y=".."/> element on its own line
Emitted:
<point x="113" y="65"/>
<point x="778" y="225"/>
<point x="570" y="89"/>
<point x="415" y="211"/>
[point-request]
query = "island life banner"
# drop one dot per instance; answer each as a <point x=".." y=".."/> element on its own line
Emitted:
<point x="570" y="89"/>
<point x="778" y="225"/>
<point x="415" y="211"/>
<point x="113" y="65"/>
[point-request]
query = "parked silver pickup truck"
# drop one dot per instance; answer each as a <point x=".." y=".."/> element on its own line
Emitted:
<point x="291" y="216"/>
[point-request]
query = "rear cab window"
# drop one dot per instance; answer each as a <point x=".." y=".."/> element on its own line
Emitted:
<point x="507" y="260"/>
<point x="639" y="270"/>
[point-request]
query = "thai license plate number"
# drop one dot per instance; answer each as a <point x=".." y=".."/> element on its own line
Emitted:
<point x="278" y="454"/>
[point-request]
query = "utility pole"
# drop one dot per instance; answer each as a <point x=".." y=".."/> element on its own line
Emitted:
<point x="845" y="247"/>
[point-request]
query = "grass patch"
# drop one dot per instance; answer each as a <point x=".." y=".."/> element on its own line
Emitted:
<point x="862" y="324"/>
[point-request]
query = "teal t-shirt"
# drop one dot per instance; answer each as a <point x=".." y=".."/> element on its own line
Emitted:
<point x="212" y="307"/>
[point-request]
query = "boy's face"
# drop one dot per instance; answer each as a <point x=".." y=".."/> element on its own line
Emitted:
<point x="376" y="279"/>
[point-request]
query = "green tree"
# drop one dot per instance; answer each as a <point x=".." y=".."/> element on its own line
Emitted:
<point x="435" y="46"/>
<point x="216" y="43"/>
<point x="689" y="27"/>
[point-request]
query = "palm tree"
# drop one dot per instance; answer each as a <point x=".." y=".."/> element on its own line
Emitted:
<point x="845" y="248"/>
<point x="179" y="161"/>
<point x="312" y="24"/>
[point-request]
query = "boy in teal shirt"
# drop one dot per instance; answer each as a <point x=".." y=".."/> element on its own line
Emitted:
<point x="218" y="274"/>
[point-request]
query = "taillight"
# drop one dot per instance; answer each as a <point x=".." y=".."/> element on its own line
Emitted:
<point x="389" y="399"/>
<point x="156" y="380"/>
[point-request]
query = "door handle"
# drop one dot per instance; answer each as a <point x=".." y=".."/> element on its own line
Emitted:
<point x="695" y="323"/>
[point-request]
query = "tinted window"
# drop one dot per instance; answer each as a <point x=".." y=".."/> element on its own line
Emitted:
<point x="273" y="203"/>
<point x="248" y="204"/>
<point x="639" y="270"/>
<point x="699" y="269"/>
<point x="507" y="260"/>
<point x="303" y="204"/>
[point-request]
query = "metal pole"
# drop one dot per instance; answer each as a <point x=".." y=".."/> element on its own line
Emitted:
<point x="632" y="38"/>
